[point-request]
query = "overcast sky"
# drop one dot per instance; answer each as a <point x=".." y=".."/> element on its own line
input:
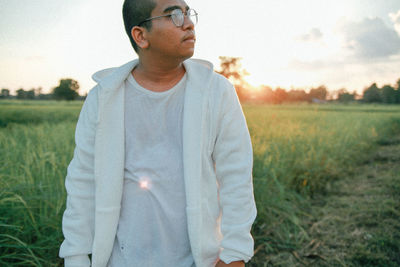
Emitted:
<point x="288" y="43"/>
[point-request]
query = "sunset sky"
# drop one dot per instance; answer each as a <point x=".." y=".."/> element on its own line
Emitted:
<point x="288" y="43"/>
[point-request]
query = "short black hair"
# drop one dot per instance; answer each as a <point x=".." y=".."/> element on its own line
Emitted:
<point x="134" y="12"/>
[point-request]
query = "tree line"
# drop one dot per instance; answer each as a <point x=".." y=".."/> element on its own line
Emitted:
<point x="66" y="90"/>
<point x="230" y="67"/>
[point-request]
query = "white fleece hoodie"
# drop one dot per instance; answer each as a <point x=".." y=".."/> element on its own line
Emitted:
<point x="217" y="159"/>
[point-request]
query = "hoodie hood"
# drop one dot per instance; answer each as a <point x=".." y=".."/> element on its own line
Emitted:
<point x="112" y="78"/>
<point x="99" y="75"/>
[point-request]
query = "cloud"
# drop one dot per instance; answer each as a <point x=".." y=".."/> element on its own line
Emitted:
<point x="314" y="35"/>
<point x="369" y="39"/>
<point x="395" y="17"/>
<point x="309" y="65"/>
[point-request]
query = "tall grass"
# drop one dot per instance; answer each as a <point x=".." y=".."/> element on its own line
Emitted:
<point x="303" y="148"/>
<point x="32" y="196"/>
<point x="36" y="144"/>
<point x="297" y="152"/>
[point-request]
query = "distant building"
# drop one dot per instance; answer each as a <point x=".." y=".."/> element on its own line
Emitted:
<point x="318" y="101"/>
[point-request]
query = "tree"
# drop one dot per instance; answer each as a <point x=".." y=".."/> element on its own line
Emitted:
<point x="21" y="93"/>
<point x="344" y="96"/>
<point x="67" y="90"/>
<point x="319" y="93"/>
<point x="5" y="93"/>
<point x="397" y="92"/>
<point x="298" y="95"/>
<point x="279" y="96"/>
<point x="372" y="94"/>
<point x="388" y="94"/>
<point x="30" y="94"/>
<point x="232" y="69"/>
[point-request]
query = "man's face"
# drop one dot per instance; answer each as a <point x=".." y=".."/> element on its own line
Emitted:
<point x="165" y="38"/>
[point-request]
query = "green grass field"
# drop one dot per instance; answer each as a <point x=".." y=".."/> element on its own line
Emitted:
<point x="299" y="152"/>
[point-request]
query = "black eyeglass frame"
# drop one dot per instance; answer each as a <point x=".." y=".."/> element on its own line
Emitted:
<point x="185" y="14"/>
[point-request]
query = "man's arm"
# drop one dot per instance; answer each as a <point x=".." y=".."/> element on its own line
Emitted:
<point x="233" y="157"/>
<point x="232" y="264"/>
<point x="78" y="219"/>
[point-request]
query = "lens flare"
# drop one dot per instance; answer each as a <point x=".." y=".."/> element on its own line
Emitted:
<point x="144" y="183"/>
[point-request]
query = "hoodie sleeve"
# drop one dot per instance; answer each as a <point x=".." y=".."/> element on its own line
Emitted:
<point x="233" y="159"/>
<point x="78" y="218"/>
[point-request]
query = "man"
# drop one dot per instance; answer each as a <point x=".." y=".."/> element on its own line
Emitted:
<point x="161" y="173"/>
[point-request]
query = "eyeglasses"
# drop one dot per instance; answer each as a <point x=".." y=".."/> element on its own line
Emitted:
<point x="178" y="17"/>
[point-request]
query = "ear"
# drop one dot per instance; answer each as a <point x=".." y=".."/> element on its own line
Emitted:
<point x="139" y="35"/>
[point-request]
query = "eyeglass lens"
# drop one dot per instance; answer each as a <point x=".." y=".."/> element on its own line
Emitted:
<point x="178" y="17"/>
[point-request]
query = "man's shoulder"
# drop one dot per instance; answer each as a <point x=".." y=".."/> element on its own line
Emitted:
<point x="205" y="70"/>
<point x="201" y="63"/>
<point x="220" y="84"/>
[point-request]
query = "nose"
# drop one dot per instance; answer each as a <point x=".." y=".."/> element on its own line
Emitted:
<point x="187" y="23"/>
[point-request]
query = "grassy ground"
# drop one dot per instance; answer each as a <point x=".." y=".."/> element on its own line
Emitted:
<point x="356" y="222"/>
<point x="35" y="112"/>
<point x="302" y="159"/>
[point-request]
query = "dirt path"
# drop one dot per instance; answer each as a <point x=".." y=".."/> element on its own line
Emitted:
<point x="357" y="223"/>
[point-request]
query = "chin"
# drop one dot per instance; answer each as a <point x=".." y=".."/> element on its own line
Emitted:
<point x="189" y="54"/>
<point x="186" y="56"/>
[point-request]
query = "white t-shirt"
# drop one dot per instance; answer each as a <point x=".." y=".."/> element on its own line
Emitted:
<point x="152" y="228"/>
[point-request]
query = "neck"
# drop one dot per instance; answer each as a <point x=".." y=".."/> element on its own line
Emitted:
<point x="156" y="75"/>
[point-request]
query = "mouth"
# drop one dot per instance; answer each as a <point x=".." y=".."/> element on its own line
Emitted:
<point x="189" y="38"/>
